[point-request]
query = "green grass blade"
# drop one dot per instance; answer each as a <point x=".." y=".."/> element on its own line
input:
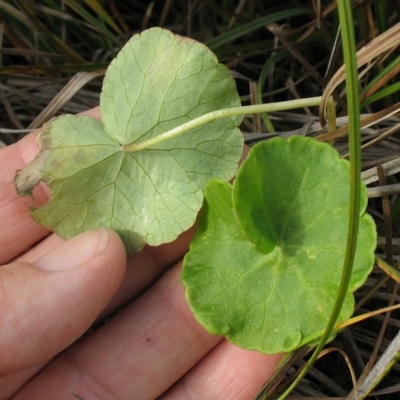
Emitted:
<point x="381" y="15"/>
<point x="261" y="83"/>
<point x="56" y="43"/>
<point x="391" y="69"/>
<point x="102" y="13"/>
<point x="387" y="91"/>
<point x="249" y="27"/>
<point x="98" y="25"/>
<point x="349" y="52"/>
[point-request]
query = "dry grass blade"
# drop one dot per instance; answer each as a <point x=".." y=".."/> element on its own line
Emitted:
<point x="389" y="270"/>
<point x="51" y="70"/>
<point x="237" y="12"/>
<point x="275" y="29"/>
<point x="347" y="361"/>
<point x="381" y="44"/>
<point x="385" y="190"/>
<point x="380" y="138"/>
<point x="387" y="216"/>
<point x="365" y="122"/>
<point x="67" y="92"/>
<point x="280" y="373"/>
<point x="387" y="227"/>
<point x="388" y="359"/>
<point x="390" y="168"/>
<point x="15" y="13"/>
<point x="363" y="317"/>
<point x="318" y="12"/>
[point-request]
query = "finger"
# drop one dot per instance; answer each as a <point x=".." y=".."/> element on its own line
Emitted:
<point x="18" y="231"/>
<point x="138" y="354"/>
<point x="46" y="306"/>
<point x="145" y="268"/>
<point x="13" y="381"/>
<point x="227" y="372"/>
<point x="49" y="243"/>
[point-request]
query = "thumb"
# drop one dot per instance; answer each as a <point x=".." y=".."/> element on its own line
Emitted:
<point x="47" y="305"/>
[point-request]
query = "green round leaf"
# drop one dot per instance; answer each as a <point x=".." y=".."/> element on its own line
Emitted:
<point x="265" y="264"/>
<point x="157" y="82"/>
<point x="299" y="194"/>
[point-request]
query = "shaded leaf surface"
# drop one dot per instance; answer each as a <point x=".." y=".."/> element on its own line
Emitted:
<point x="265" y="264"/>
<point x="157" y="82"/>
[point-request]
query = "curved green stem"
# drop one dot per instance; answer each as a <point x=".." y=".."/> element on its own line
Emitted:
<point x="218" y="114"/>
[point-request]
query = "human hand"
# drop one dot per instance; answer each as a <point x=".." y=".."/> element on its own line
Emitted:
<point x="53" y="291"/>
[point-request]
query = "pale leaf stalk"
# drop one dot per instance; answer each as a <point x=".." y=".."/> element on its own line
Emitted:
<point x="218" y="114"/>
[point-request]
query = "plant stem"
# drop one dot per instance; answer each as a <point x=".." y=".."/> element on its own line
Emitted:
<point x="218" y="114"/>
<point x="331" y="113"/>
<point x="349" y="52"/>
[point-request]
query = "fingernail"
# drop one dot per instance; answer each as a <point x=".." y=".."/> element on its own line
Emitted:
<point x="76" y="251"/>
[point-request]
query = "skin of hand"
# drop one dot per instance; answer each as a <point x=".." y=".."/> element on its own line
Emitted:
<point x="52" y="291"/>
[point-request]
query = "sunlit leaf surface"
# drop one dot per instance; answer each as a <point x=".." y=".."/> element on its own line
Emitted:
<point x="265" y="264"/>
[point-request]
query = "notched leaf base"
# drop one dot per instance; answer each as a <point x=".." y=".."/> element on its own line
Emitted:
<point x="294" y="195"/>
